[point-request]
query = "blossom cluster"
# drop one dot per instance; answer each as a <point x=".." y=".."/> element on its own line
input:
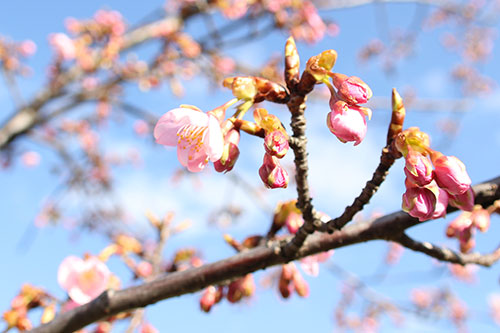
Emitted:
<point x="464" y="226"/>
<point x="429" y="190"/>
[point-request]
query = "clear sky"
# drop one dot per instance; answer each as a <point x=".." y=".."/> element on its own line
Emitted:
<point x="338" y="172"/>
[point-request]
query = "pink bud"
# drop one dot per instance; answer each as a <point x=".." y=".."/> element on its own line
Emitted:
<point x="418" y="168"/>
<point x="463" y="201"/>
<point x="351" y="89"/>
<point x="451" y="175"/>
<point x="285" y="286"/>
<point x="301" y="285"/>
<point x="272" y="173"/>
<point x="243" y="287"/>
<point x="346" y="121"/>
<point x="230" y="152"/>
<point x="144" y="269"/>
<point x="441" y="204"/>
<point x="276" y="144"/>
<point x="419" y="202"/>
<point x="211" y="295"/>
<point x="481" y="219"/>
<point x="293" y="222"/>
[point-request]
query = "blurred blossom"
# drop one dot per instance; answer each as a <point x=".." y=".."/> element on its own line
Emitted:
<point x="30" y="159"/>
<point x="83" y="279"/>
<point x="63" y="46"/>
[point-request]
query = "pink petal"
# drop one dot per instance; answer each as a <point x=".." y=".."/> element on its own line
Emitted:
<point x="213" y="140"/>
<point x="168" y="125"/>
<point x="198" y="162"/>
<point x="68" y="271"/>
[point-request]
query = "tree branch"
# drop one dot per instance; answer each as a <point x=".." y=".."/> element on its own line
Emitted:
<point x="445" y="254"/>
<point x="179" y="283"/>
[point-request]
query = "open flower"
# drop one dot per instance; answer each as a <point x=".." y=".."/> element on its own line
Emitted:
<point x="84" y="280"/>
<point x="196" y="134"/>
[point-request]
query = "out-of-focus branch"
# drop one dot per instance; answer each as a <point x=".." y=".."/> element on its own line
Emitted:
<point x="445" y="254"/>
<point x="191" y="280"/>
<point x="340" y="4"/>
<point x="26" y="117"/>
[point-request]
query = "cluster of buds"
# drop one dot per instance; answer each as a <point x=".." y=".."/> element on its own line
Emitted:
<point x="291" y="280"/>
<point x="11" y="54"/>
<point x="29" y="297"/>
<point x="237" y="290"/>
<point x="346" y="119"/>
<point x="428" y="190"/>
<point x="276" y="146"/>
<point x="463" y="227"/>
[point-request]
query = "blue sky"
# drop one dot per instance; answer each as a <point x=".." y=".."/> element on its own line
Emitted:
<point x="338" y="172"/>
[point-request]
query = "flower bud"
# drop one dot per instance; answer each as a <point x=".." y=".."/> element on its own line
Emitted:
<point x="413" y="138"/>
<point x="243" y="87"/>
<point x="351" y="89"/>
<point x="211" y="295"/>
<point x="481" y="218"/>
<point x="230" y="152"/>
<point x="301" y="285"/>
<point x="243" y="287"/>
<point x="463" y="201"/>
<point x="272" y="173"/>
<point x="450" y="174"/>
<point x="276" y="144"/>
<point x="441" y="204"/>
<point x="284" y="285"/>
<point x="420" y="202"/>
<point x="320" y="65"/>
<point x="294" y="221"/>
<point x="418" y="168"/>
<point x="346" y="121"/>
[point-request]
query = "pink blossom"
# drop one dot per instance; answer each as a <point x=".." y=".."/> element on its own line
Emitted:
<point x="144" y="269"/>
<point x="224" y="65"/>
<point x="294" y="221"/>
<point x="419" y="202"/>
<point x="463" y="201"/>
<point x="63" y="45"/>
<point x="441" y="204"/>
<point x="27" y="48"/>
<point x="272" y="173"/>
<point x="141" y="127"/>
<point x="196" y="134"/>
<point x="30" y="159"/>
<point x="481" y="219"/>
<point x="276" y="144"/>
<point x="148" y="328"/>
<point x="451" y="175"/>
<point x="418" y="168"/>
<point x="310" y="264"/>
<point x="351" y="89"/>
<point x="84" y="280"/>
<point x="346" y="121"/>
